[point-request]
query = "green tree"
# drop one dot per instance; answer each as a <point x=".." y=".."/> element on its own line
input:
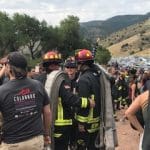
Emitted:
<point x="50" y="38"/>
<point x="103" y="55"/>
<point x="86" y="43"/>
<point x="28" y="32"/>
<point x="7" y="35"/>
<point x="70" y="34"/>
<point x="65" y="38"/>
<point x="22" y="32"/>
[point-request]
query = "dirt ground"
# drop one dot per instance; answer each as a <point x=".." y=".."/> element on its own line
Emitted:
<point x="128" y="139"/>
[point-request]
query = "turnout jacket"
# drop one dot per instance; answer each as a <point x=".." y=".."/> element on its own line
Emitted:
<point x="66" y="101"/>
<point x="88" y="86"/>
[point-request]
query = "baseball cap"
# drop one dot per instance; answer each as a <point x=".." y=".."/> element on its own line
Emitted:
<point x="17" y="59"/>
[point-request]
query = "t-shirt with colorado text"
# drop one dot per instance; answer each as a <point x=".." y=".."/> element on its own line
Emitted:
<point x="21" y="104"/>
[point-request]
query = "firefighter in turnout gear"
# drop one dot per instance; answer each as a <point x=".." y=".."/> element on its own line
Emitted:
<point x="50" y="61"/>
<point x="70" y="67"/>
<point x="66" y="100"/>
<point x="122" y="89"/>
<point x="88" y="86"/>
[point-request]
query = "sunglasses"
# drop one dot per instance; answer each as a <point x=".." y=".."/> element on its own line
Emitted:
<point x="71" y="67"/>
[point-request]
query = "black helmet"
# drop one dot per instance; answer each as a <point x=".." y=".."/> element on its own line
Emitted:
<point x="70" y="62"/>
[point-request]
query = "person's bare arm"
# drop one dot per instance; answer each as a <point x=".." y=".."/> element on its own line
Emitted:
<point x="133" y="87"/>
<point x="47" y="123"/>
<point x="2" y="71"/>
<point x="134" y="107"/>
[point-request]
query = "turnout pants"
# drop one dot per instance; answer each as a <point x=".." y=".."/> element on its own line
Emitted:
<point x="62" y="142"/>
<point x="86" y="141"/>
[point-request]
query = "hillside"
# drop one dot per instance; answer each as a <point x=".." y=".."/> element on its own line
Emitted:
<point x="133" y="40"/>
<point x="103" y="28"/>
<point x="117" y="52"/>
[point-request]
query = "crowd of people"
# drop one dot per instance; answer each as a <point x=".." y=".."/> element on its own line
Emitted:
<point x="127" y="84"/>
<point x="26" y="107"/>
<point x="131" y="90"/>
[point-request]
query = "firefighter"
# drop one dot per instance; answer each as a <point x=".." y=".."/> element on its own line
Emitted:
<point x="50" y="61"/>
<point x="66" y="100"/>
<point x="70" y="67"/>
<point x="122" y="89"/>
<point x="88" y="86"/>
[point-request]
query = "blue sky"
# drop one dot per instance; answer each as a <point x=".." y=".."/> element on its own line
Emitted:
<point x="53" y="11"/>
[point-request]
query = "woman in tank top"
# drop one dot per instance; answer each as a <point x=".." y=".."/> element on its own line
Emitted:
<point x="142" y="101"/>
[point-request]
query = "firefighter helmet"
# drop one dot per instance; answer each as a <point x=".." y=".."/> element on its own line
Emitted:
<point x="51" y="57"/>
<point x="70" y="62"/>
<point x="83" y="56"/>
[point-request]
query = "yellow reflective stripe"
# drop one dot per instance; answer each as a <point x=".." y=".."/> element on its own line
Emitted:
<point x="60" y="109"/>
<point x="94" y="120"/>
<point x="57" y="135"/>
<point x="90" y="114"/>
<point x="80" y="141"/>
<point x="91" y="110"/>
<point x="90" y="117"/>
<point x="119" y="98"/>
<point x="94" y="127"/>
<point x="60" y="121"/>
<point x="81" y="118"/>
<point x="93" y="130"/>
<point x="120" y="87"/>
<point x="87" y="119"/>
<point x="84" y="102"/>
<point x="63" y="122"/>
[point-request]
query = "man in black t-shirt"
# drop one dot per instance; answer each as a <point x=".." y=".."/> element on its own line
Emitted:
<point x="23" y="103"/>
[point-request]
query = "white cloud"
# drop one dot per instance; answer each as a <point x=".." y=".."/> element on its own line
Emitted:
<point x="53" y="11"/>
<point x="13" y="3"/>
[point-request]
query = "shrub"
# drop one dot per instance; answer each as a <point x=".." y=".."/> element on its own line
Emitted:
<point x="131" y="53"/>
